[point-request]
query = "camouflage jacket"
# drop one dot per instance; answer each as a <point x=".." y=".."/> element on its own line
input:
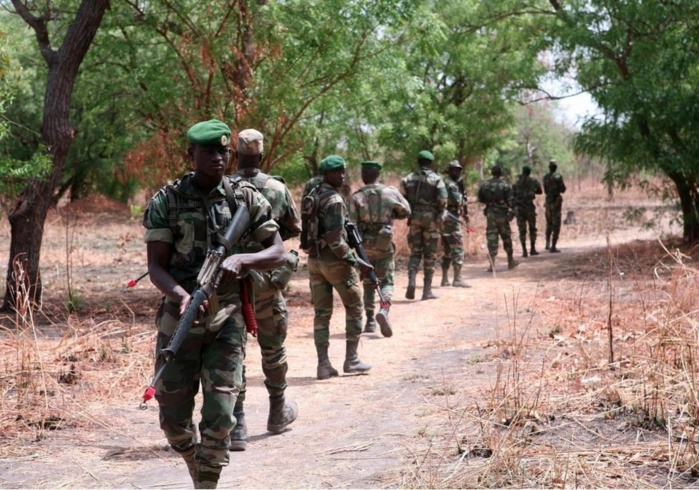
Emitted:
<point x="425" y="192"/>
<point x="332" y="217"/>
<point x="284" y="210"/>
<point x="191" y="229"/>
<point x="314" y="182"/>
<point x="525" y="190"/>
<point x="456" y="196"/>
<point x="553" y="186"/>
<point x="497" y="196"/>
<point x="375" y="206"/>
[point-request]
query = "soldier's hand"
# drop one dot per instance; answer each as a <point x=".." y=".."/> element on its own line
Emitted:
<point x="365" y="268"/>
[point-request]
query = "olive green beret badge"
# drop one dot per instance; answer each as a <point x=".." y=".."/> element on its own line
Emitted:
<point x="224" y="140"/>
<point x="209" y="133"/>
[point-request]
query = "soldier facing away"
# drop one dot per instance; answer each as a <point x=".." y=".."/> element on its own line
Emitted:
<point x="499" y="202"/>
<point x="427" y="195"/>
<point x="452" y="236"/>
<point x="525" y="191"/>
<point x="332" y="265"/>
<point x="554" y="187"/>
<point x="182" y="222"/>
<point x="373" y="208"/>
<point x="270" y="306"/>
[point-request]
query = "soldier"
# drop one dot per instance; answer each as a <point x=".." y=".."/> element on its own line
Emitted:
<point x="270" y="306"/>
<point x="332" y="265"/>
<point x="553" y="187"/>
<point x="452" y="236"/>
<point x="427" y="195"/>
<point x="182" y="221"/>
<point x="373" y="208"/>
<point x="499" y="202"/>
<point x="525" y="190"/>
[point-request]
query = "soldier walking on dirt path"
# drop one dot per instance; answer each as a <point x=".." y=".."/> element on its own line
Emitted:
<point x="525" y="191"/>
<point x="427" y="195"/>
<point x="182" y="222"/>
<point x="554" y="187"/>
<point x="452" y="236"/>
<point x="373" y="208"/>
<point x="270" y="307"/>
<point x="332" y="265"/>
<point x="499" y="202"/>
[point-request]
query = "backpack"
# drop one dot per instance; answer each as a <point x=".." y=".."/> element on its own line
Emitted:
<point x="310" y="225"/>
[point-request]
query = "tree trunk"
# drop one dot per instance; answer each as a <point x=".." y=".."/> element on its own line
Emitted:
<point x="689" y="203"/>
<point x="28" y="215"/>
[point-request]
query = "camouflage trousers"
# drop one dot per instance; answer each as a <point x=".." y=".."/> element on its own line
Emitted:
<point x="452" y="244"/>
<point x="384" y="267"/>
<point x="211" y="356"/>
<point x="272" y="325"/>
<point x="423" y="240"/>
<point x="553" y="218"/>
<point x="498" y="226"/>
<point x="526" y="218"/>
<point x="326" y="272"/>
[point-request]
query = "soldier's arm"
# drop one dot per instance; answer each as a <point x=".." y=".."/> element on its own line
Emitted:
<point x="563" y="186"/>
<point x="401" y="208"/>
<point x="441" y="195"/>
<point x="537" y="187"/>
<point x="290" y="221"/>
<point x="353" y="209"/>
<point x="333" y="220"/>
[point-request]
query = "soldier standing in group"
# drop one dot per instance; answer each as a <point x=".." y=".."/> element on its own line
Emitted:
<point x="182" y="222"/>
<point x="270" y="306"/>
<point x="373" y="208"/>
<point x="452" y="236"/>
<point x="553" y="187"/>
<point x="525" y="190"/>
<point x="499" y="202"/>
<point x="427" y="195"/>
<point x="332" y="265"/>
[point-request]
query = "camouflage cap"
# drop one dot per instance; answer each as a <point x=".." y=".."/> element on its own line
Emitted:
<point x="212" y="132"/>
<point x="425" y="155"/>
<point x="250" y="142"/>
<point x="331" y="162"/>
<point x="454" y="164"/>
<point x="371" y="164"/>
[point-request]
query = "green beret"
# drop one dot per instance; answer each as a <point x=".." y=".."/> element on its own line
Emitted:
<point x="331" y="162"/>
<point x="371" y="164"/>
<point x="425" y="155"/>
<point x="212" y="132"/>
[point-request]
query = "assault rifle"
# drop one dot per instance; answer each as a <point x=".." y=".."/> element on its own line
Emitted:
<point x="354" y="240"/>
<point x="207" y="282"/>
<point x="452" y="217"/>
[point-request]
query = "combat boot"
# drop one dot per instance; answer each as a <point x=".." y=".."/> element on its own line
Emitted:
<point x="458" y="282"/>
<point x="382" y="318"/>
<point x="491" y="262"/>
<point x="553" y="246"/>
<point x="427" y="286"/>
<point x="352" y="362"/>
<point x="239" y="434"/>
<point x="325" y="369"/>
<point x="533" y="251"/>
<point x="445" y="273"/>
<point x="511" y="262"/>
<point x="410" y="292"/>
<point x="548" y="242"/>
<point x="370" y="325"/>
<point x="281" y="414"/>
<point x="207" y="476"/>
<point x="524" y="248"/>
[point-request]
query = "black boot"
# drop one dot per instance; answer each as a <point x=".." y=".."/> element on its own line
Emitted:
<point x="382" y="318"/>
<point x="458" y="282"/>
<point x="511" y="262"/>
<point x="410" y="292"/>
<point x="352" y="362"/>
<point x="427" y="286"/>
<point x="524" y="247"/>
<point x="239" y="434"/>
<point x="370" y="325"/>
<point x="548" y="242"/>
<point x="445" y="273"/>
<point x="281" y="414"/>
<point x="553" y="245"/>
<point x="532" y="250"/>
<point x="325" y="369"/>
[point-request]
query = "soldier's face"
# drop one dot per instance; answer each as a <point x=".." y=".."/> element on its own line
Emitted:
<point x="454" y="173"/>
<point x="335" y="177"/>
<point x="210" y="161"/>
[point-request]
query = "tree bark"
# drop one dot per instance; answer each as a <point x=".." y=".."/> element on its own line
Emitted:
<point x="689" y="203"/>
<point x="28" y="215"/>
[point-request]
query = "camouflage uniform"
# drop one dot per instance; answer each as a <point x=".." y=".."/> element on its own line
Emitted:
<point x="525" y="190"/>
<point x="427" y="195"/>
<point x="213" y="352"/>
<point x="373" y="208"/>
<point x="553" y="187"/>
<point x="452" y="236"/>
<point x="497" y="196"/>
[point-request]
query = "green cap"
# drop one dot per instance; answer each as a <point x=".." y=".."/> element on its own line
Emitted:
<point x="331" y="162"/>
<point x="212" y="132"/>
<point x="425" y="155"/>
<point x="372" y="164"/>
